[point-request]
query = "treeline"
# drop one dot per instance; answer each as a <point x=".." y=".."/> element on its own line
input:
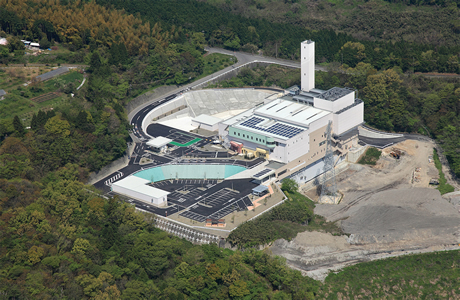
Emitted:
<point x="235" y="32"/>
<point x="433" y="22"/>
<point x="60" y="239"/>
<point x="421" y="276"/>
<point x="77" y="23"/>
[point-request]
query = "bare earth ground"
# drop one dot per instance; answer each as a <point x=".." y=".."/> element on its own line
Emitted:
<point x="387" y="210"/>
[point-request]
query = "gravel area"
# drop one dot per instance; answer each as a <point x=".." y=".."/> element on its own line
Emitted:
<point x="387" y="210"/>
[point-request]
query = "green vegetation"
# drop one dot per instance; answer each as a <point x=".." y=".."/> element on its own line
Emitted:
<point x="443" y="187"/>
<point x="272" y="75"/>
<point x="422" y="276"/>
<point x="371" y="156"/>
<point x="283" y="221"/>
<point x="61" y="240"/>
<point x="390" y="44"/>
<point x="24" y="100"/>
<point x="215" y="62"/>
<point x="412" y="21"/>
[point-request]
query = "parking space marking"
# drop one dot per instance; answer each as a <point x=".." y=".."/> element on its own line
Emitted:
<point x="193" y="216"/>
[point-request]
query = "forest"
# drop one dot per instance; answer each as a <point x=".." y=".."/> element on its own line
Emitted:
<point x="61" y="240"/>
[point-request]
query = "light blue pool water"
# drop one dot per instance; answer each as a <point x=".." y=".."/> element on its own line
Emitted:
<point x="189" y="172"/>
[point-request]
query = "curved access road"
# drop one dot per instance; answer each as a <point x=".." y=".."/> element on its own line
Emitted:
<point x="137" y="115"/>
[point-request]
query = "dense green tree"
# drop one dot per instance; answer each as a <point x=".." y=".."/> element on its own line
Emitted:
<point x="18" y="126"/>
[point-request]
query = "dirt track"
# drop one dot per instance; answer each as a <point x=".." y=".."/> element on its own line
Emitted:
<point x="387" y="210"/>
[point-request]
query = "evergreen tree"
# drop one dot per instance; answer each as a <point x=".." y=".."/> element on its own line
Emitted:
<point x="41" y="118"/>
<point x="18" y="127"/>
<point x="34" y="122"/>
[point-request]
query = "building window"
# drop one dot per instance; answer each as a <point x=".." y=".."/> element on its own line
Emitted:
<point x="238" y="134"/>
<point x="252" y="138"/>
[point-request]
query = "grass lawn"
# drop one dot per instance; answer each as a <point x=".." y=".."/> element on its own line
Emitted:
<point x="19" y="100"/>
<point x="215" y="62"/>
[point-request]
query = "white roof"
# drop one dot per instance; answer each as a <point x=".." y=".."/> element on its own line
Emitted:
<point x="35" y="44"/>
<point x="207" y="119"/>
<point x="159" y="142"/>
<point x="235" y="119"/>
<point x="291" y="112"/>
<point x="139" y="185"/>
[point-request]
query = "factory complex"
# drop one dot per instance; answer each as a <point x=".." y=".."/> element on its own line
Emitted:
<point x="254" y="137"/>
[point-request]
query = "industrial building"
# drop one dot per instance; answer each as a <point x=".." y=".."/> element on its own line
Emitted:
<point x="291" y="129"/>
<point x="287" y="129"/>
<point x="138" y="188"/>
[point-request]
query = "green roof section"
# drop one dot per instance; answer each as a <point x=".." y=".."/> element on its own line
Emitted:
<point x="186" y="144"/>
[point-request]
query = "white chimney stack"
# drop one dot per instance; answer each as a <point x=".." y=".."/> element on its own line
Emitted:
<point x="307" y="65"/>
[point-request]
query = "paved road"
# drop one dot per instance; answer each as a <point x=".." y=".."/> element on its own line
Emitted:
<point x="137" y="115"/>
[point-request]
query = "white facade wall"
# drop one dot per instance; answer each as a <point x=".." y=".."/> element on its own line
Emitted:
<point x="206" y="126"/>
<point x="164" y="108"/>
<point x="323" y="104"/>
<point x="317" y="124"/>
<point x="336" y="105"/>
<point x="139" y="195"/>
<point x="297" y="146"/>
<point x="307" y="65"/>
<point x="348" y="119"/>
<point x="222" y="132"/>
<point x="279" y="153"/>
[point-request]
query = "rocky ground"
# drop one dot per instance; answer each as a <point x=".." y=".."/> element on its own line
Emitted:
<point x="387" y="210"/>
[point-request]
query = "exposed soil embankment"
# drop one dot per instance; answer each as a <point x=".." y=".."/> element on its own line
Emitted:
<point x="384" y="212"/>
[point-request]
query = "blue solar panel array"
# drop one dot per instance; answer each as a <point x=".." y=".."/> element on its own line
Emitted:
<point x="263" y="172"/>
<point x="252" y="121"/>
<point x="277" y="128"/>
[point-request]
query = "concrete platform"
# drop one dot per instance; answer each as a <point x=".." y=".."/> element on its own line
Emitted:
<point x="212" y="102"/>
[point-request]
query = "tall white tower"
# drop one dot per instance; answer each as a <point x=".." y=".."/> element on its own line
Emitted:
<point x="307" y="65"/>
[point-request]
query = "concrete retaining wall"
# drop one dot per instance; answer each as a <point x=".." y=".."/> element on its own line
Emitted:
<point x="377" y="134"/>
<point x="180" y="114"/>
<point x="354" y="156"/>
<point x="161" y="110"/>
<point x="144" y="98"/>
<point x="183" y="231"/>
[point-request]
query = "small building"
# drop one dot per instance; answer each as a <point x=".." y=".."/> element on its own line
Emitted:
<point x="159" y="144"/>
<point x="207" y="122"/>
<point x="259" y="190"/>
<point x="138" y="188"/>
<point x="35" y="45"/>
<point x="2" y="94"/>
<point x="3" y="41"/>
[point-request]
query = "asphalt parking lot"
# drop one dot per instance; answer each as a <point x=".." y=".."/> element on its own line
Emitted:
<point x="199" y="199"/>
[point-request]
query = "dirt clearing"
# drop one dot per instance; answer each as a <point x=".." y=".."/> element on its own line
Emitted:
<point x="388" y="209"/>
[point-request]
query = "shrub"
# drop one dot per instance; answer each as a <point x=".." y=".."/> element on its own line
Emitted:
<point x="371" y="156"/>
